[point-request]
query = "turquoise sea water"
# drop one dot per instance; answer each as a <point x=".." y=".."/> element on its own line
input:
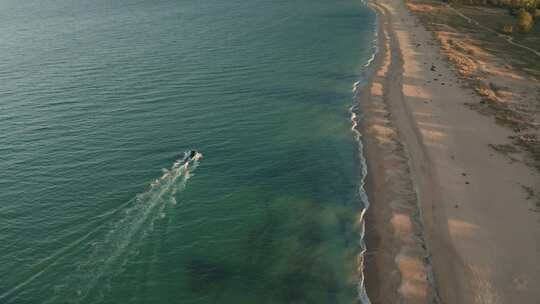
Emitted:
<point x="98" y="96"/>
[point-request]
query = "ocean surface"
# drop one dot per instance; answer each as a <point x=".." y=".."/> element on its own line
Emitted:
<point x="100" y="99"/>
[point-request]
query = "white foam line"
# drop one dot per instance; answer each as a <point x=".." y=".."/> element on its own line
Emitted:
<point x="357" y="86"/>
<point x="362" y="294"/>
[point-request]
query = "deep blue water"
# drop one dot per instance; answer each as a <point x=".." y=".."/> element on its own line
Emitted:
<point x="96" y="97"/>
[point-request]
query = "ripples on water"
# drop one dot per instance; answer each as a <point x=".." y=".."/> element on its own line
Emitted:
<point x="97" y="96"/>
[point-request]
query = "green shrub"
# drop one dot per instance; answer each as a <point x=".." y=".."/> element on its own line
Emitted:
<point x="529" y="4"/>
<point x="525" y="21"/>
<point x="508" y="29"/>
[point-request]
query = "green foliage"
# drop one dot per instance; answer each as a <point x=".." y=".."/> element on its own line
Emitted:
<point x="531" y="4"/>
<point x="525" y="21"/>
<point x="514" y="4"/>
<point x="508" y="29"/>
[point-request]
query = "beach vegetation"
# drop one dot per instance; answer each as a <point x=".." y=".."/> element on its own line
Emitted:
<point x="531" y="144"/>
<point x="511" y="4"/>
<point x="523" y="13"/>
<point x="525" y="21"/>
<point x="532" y="195"/>
<point x="508" y="28"/>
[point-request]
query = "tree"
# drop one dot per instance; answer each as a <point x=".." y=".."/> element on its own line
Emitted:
<point x="525" y="21"/>
<point x="530" y="4"/>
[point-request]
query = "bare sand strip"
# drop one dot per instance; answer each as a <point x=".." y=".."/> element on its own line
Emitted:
<point x="449" y="220"/>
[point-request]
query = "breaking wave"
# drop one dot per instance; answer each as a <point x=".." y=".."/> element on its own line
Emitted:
<point x="355" y="118"/>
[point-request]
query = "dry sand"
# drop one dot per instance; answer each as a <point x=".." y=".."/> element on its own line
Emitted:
<point x="449" y="220"/>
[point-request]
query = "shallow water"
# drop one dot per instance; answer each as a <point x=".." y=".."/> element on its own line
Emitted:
<point x="96" y="97"/>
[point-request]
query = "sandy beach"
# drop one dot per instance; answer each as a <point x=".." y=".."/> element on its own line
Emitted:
<point x="449" y="220"/>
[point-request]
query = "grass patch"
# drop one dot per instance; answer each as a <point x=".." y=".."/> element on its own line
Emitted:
<point x="531" y="195"/>
<point x="504" y="148"/>
<point x="531" y="144"/>
<point x="436" y="16"/>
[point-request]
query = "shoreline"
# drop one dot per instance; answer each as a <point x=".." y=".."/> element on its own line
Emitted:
<point x="386" y="245"/>
<point x="431" y="237"/>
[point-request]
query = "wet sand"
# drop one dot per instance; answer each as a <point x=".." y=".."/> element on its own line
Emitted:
<point x="449" y="221"/>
